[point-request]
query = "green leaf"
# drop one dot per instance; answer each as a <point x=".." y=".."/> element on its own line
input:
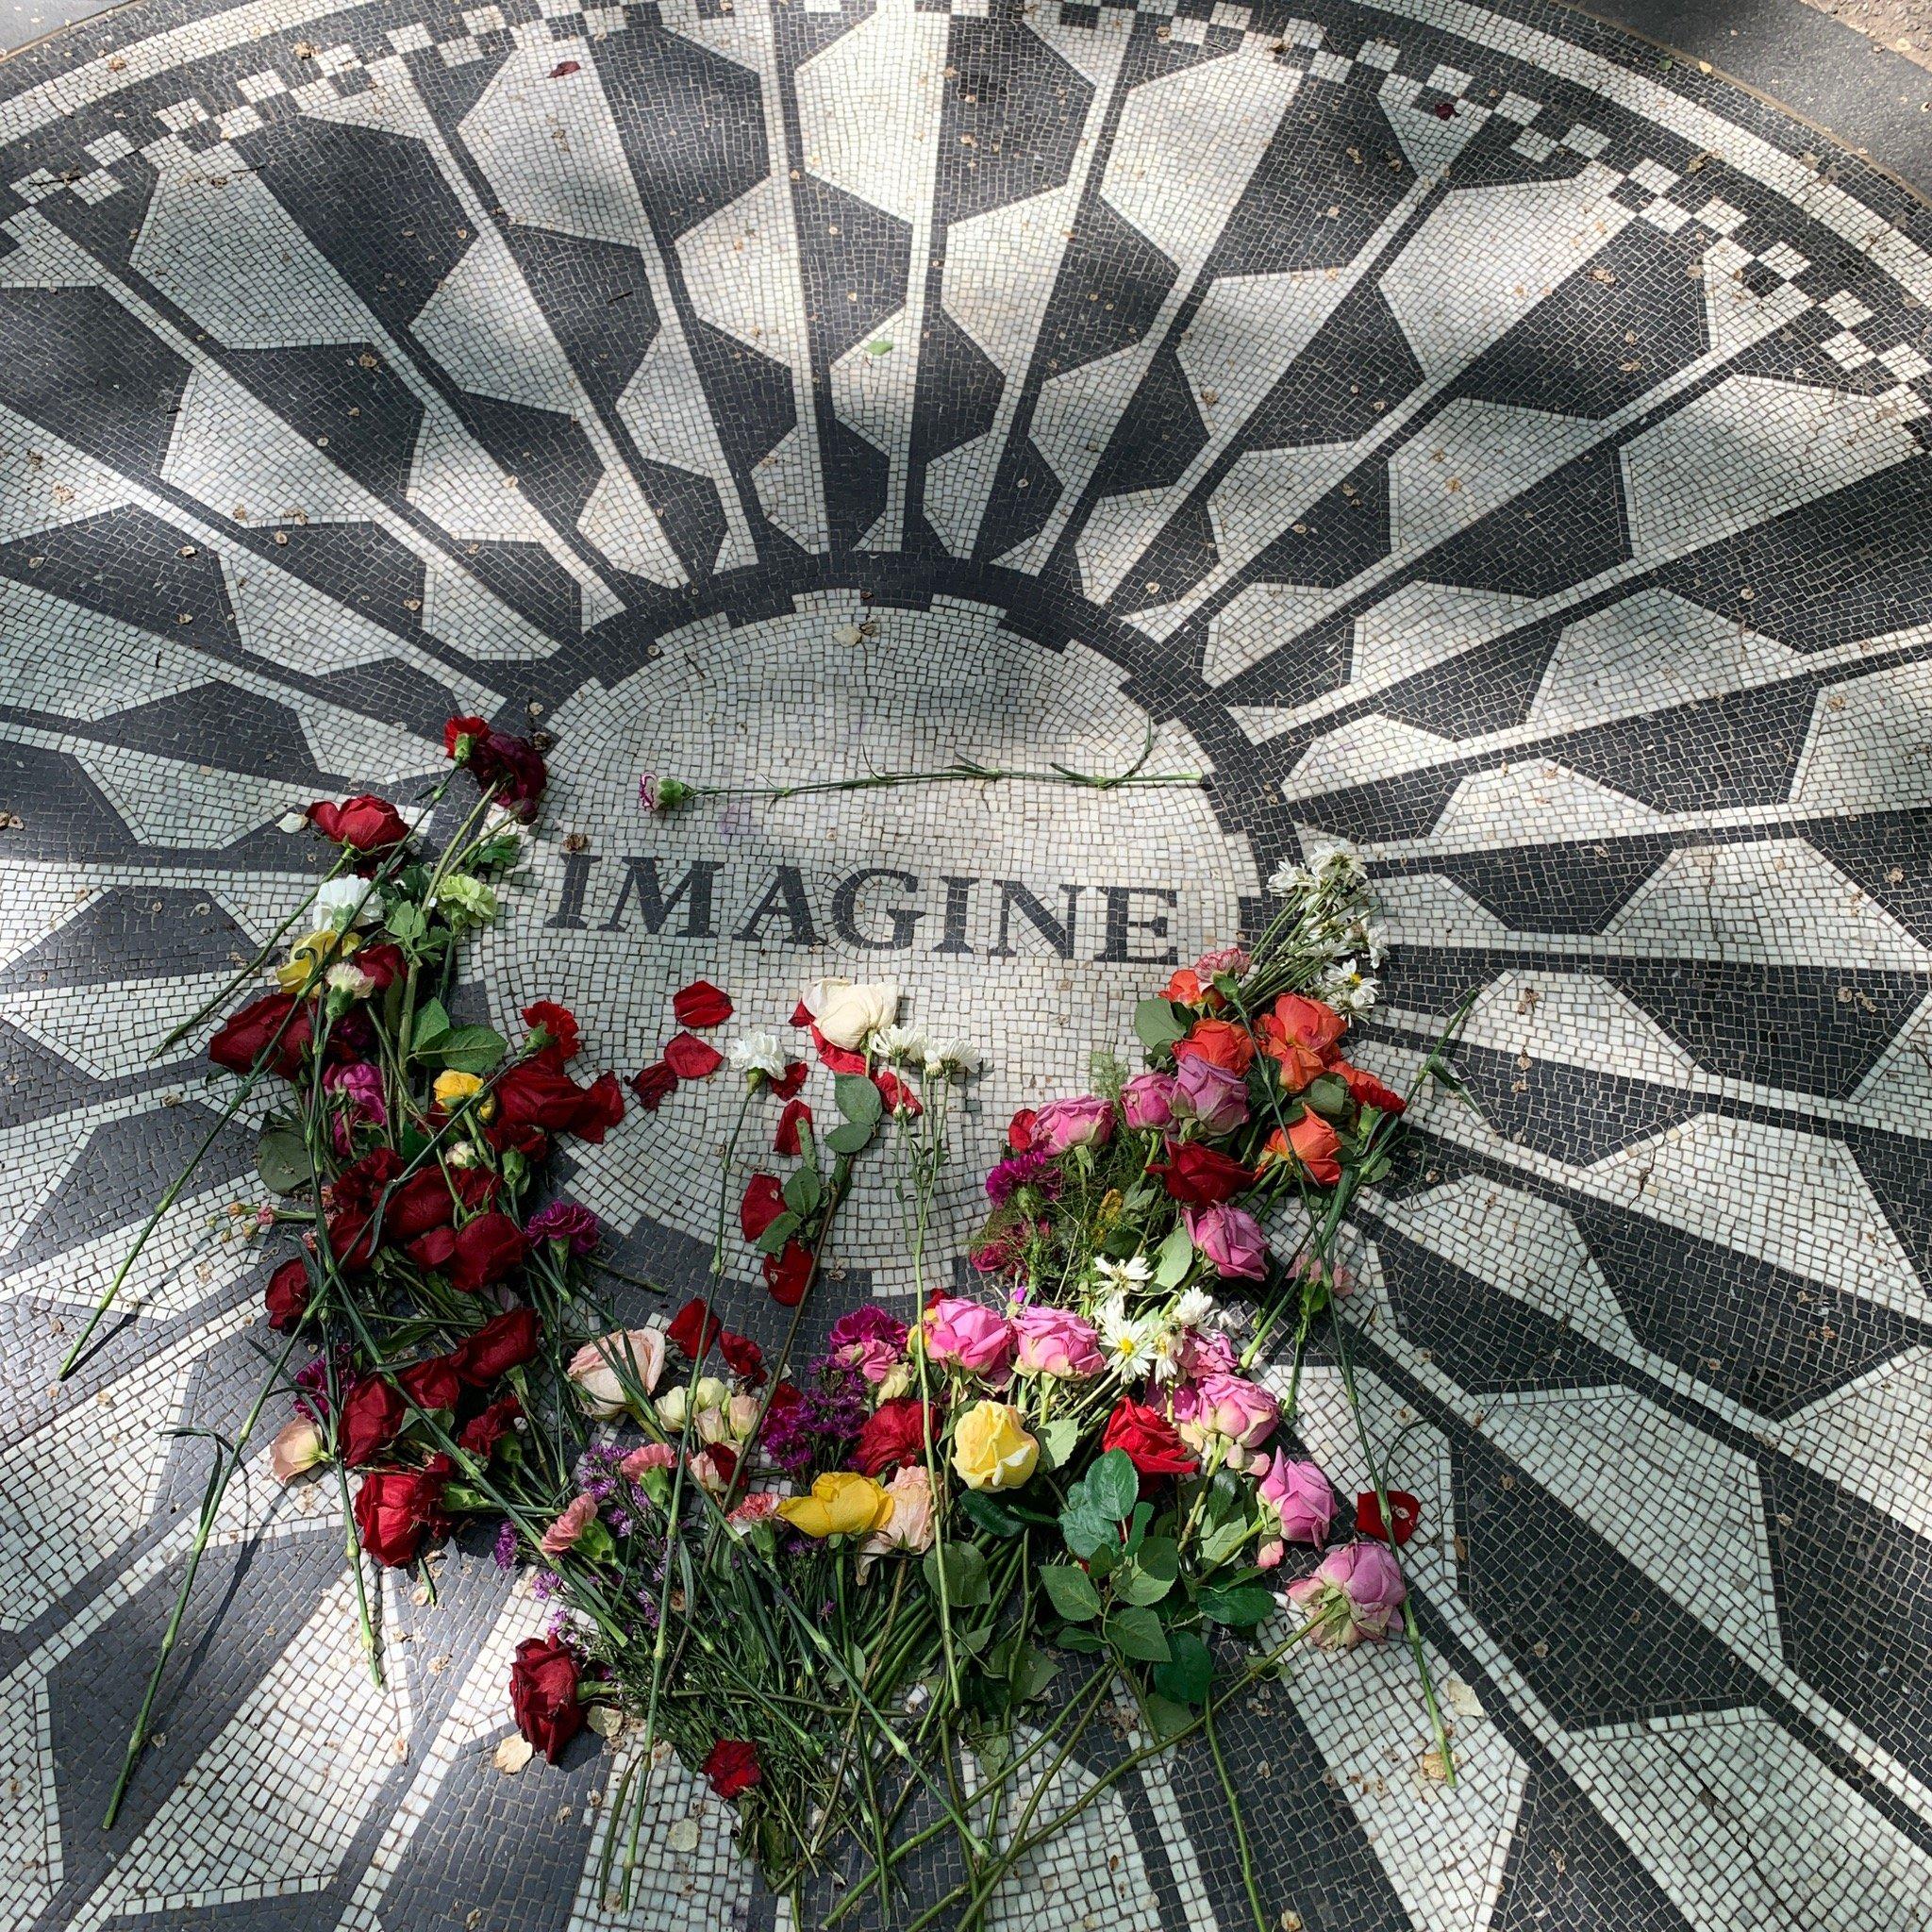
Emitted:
<point x="1159" y="1556"/>
<point x="1071" y="1637"/>
<point x="1222" y="1537"/>
<point x="1136" y="1586"/>
<point x="859" y="1099"/>
<point x="1071" y="1591"/>
<point x="1328" y="1096"/>
<point x="281" y="1158"/>
<point x="966" y="1579"/>
<point x="1156" y="1024"/>
<point x="1059" y="1439"/>
<point x="989" y="1514"/>
<point x="468" y="1049"/>
<point x="1168" y="1718"/>
<point x="849" y="1137"/>
<point x="1174" y="1258"/>
<point x="432" y="1023"/>
<point x="803" y="1191"/>
<point x="781" y="1231"/>
<point x="1087" y="1531"/>
<point x="1240" y="1608"/>
<point x="1030" y="1672"/>
<point x="1136" y="1632"/>
<point x="1188" y="1675"/>
<point x="1100" y="1565"/>
<point x="1114" y="1485"/>
<point x="882" y="347"/>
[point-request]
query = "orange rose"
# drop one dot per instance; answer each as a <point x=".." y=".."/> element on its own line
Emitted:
<point x="1219" y="1043"/>
<point x="1187" y="988"/>
<point x="1315" y="1147"/>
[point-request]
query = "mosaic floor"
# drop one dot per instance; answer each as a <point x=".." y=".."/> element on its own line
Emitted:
<point x="1451" y="429"/>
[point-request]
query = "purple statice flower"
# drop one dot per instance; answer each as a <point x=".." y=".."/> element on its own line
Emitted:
<point x="506" y="1551"/>
<point x="787" y="1437"/>
<point x="566" y="1221"/>
<point x="620" y="1523"/>
<point x="1033" y="1169"/>
<point x="544" y="1584"/>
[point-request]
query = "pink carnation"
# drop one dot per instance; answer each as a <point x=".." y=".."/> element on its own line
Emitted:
<point x="562" y="1535"/>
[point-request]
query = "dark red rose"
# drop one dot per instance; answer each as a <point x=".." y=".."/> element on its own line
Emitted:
<point x="433" y="1384"/>
<point x="1403" y="1507"/>
<point x="504" y="1342"/>
<point x="287" y="1297"/>
<point x="419" y="1204"/>
<point x="560" y="1025"/>
<point x="1020" y="1130"/>
<point x="732" y="1767"/>
<point x="691" y="1058"/>
<point x="788" y="1274"/>
<point x="1199" y="1177"/>
<point x="839" y="1059"/>
<point x="786" y="1139"/>
<point x="543" y="1694"/>
<point x="364" y="823"/>
<point x="351" y="1238"/>
<point x="482" y="1433"/>
<point x="791" y="1080"/>
<point x="486" y="1249"/>
<point x="653" y="1086"/>
<point x="372" y="1415"/>
<point x="693" y="1328"/>
<point x="763" y="1202"/>
<point x="744" y="1356"/>
<point x="437" y="1249"/>
<point x="1153" y="1444"/>
<point x="898" y="1097"/>
<point x="277" y="1025"/>
<point x="895" y="1432"/>
<point x="534" y="1095"/>
<point x="1367" y="1091"/>
<point x="701" y="1004"/>
<point x="384" y="964"/>
<point x="398" y="1510"/>
<point x="457" y="730"/>
<point x="359" y="1184"/>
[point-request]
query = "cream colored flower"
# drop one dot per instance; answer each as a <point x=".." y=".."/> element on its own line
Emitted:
<point x="848" y="1013"/>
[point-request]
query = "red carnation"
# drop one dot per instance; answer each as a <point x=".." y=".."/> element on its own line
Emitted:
<point x="559" y="1023"/>
<point x="701" y="1004"/>
<point x="1405" y="1512"/>
<point x="1202" y="1176"/>
<point x="763" y="1202"/>
<point x="457" y="730"/>
<point x="653" y="1086"/>
<point x="895" y="1432"/>
<point x="364" y="823"/>
<point x="1367" y="1091"/>
<point x="744" y="1356"/>
<point x="786" y="1140"/>
<point x="788" y="1274"/>
<point x="791" y="1080"/>
<point x="543" y="1694"/>
<point x="482" y="1432"/>
<point x="1020" y="1130"/>
<point x="1153" y="1444"/>
<point x="533" y="1095"/>
<point x="398" y="1510"/>
<point x="513" y="765"/>
<point x="691" y="1058"/>
<point x="433" y="1384"/>
<point x="277" y="1021"/>
<point x="732" y="1767"/>
<point x="693" y="1328"/>
<point x="372" y="1415"/>
<point x="287" y="1297"/>
<point x="504" y="1342"/>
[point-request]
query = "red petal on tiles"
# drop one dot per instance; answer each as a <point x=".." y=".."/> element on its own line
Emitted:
<point x="763" y="1202"/>
<point x="797" y="1115"/>
<point x="841" y="1059"/>
<point x="1403" y="1507"/>
<point x="791" y="1080"/>
<point x="801" y="1014"/>
<point x="787" y="1274"/>
<point x="653" y="1086"/>
<point x="691" y="1058"/>
<point x="701" y="1004"/>
<point x="562" y="68"/>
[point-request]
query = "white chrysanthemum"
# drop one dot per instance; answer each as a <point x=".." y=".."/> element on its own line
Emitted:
<point x="1196" y="1309"/>
<point x="1290" y="878"/>
<point x="757" y="1052"/>
<point x="957" y="1058"/>
<point x="343" y="902"/>
<point x="900" y="1042"/>
<point x="1136" y="1272"/>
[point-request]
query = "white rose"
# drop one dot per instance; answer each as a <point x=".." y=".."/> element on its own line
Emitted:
<point x="848" y="1014"/>
<point x="596" y="1365"/>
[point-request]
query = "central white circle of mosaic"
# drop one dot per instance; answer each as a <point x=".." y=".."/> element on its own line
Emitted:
<point x="1025" y="917"/>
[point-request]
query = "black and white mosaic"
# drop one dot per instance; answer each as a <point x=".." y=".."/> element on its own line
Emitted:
<point x="1446" y="427"/>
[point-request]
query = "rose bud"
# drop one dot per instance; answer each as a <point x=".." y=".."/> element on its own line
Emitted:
<point x="297" y="1449"/>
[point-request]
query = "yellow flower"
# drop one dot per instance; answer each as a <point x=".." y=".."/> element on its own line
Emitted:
<point x="452" y="1088"/>
<point x="991" y="1449"/>
<point x="309" y="957"/>
<point x="840" y="1505"/>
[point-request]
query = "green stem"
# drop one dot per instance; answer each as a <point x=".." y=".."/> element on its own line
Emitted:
<point x="1234" y="1812"/>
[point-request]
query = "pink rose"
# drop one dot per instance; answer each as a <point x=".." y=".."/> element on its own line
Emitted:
<point x="298" y="1448"/>
<point x="1231" y="1239"/>
<point x="1233" y="1406"/>
<point x="971" y="1336"/>
<point x="1053" y="1341"/>
<point x="1216" y="1097"/>
<point x="599" y="1369"/>
<point x="1299" y="1494"/>
<point x="1203" y="1351"/>
<point x="561" y="1537"/>
<point x="1230" y="959"/>
<point x="1086" y="1122"/>
<point x="1147" y="1100"/>
<point x="1353" y="1593"/>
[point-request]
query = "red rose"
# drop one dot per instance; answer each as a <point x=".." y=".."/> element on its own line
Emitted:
<point x="691" y="1058"/>
<point x="693" y="1328"/>
<point x="653" y="1086"/>
<point x="287" y="1298"/>
<point x="506" y="1342"/>
<point x="786" y="1140"/>
<point x="898" y="1097"/>
<point x="1153" y="1445"/>
<point x="1219" y="1043"/>
<point x="791" y="1080"/>
<point x="457" y="730"/>
<point x="372" y="1415"/>
<point x="839" y="1059"/>
<point x="701" y="1004"/>
<point x="277" y="1025"/>
<point x="732" y="1767"/>
<point x="359" y="1184"/>
<point x="384" y="964"/>
<point x="1187" y="988"/>
<point x="1316" y="1026"/>
<point x="763" y="1202"/>
<point x="743" y="1357"/>
<point x="398" y="1510"/>
<point x="351" y="1240"/>
<point x="788" y="1274"/>
<point x="543" y="1694"/>
<point x="1201" y="1176"/>
<point x="1020" y="1130"/>
<point x="486" y="1249"/>
<point x="1403" y="1509"/>
<point x="1316" y="1147"/>
<point x="433" y="1384"/>
<point x="560" y="1025"/>
<point x="419" y="1204"/>
<point x="534" y="1095"/>
<point x="481" y="1433"/>
<point x="1367" y="1091"/>
<point x="364" y="823"/>
<point x="895" y="1432"/>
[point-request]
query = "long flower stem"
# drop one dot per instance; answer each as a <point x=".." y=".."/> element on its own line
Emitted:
<point x="1234" y="1812"/>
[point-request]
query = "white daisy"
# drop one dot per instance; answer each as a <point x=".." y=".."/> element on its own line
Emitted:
<point x="1194" y="1309"/>
<point x="1136" y="1272"/>
<point x="1133" y="1342"/>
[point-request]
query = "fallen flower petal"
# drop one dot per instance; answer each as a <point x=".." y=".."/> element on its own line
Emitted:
<point x="701" y="1004"/>
<point x="691" y="1058"/>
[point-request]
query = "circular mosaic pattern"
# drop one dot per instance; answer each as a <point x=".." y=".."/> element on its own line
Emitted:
<point x="1442" y="427"/>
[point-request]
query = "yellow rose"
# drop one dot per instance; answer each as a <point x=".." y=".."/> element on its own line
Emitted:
<point x="991" y="1449"/>
<point x="309" y="957"/>
<point x="452" y="1088"/>
<point x="840" y="1505"/>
